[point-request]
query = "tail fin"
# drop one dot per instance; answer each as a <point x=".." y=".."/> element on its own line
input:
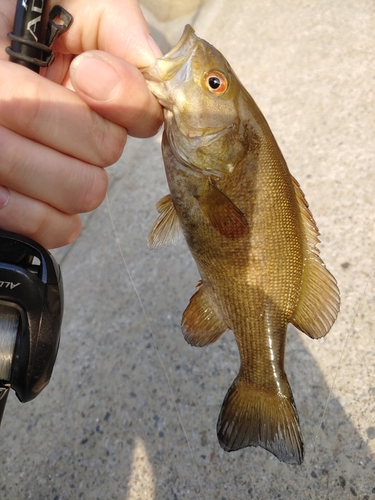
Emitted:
<point x="253" y="417"/>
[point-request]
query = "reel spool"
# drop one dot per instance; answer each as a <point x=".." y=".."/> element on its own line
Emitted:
<point x="9" y="323"/>
<point x="10" y="320"/>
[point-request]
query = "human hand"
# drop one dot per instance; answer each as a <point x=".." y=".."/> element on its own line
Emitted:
<point x="54" y="142"/>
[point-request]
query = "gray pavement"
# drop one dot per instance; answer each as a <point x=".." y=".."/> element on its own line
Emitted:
<point x="131" y="410"/>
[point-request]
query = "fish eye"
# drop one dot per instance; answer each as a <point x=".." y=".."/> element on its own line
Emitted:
<point x="216" y="82"/>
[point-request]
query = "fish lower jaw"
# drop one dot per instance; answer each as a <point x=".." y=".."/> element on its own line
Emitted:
<point x="164" y="102"/>
<point x="160" y="93"/>
<point x="168" y="114"/>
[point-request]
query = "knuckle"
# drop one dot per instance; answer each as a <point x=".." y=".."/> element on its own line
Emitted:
<point x="14" y="107"/>
<point x="38" y="225"/>
<point x="93" y="190"/>
<point x="54" y="232"/>
<point x="110" y="142"/>
<point x="74" y="231"/>
<point x="8" y="156"/>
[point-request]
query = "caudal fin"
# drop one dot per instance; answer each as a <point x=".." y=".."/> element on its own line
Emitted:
<point x="253" y="417"/>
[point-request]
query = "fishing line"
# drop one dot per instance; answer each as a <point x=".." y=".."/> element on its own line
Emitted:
<point x="350" y="330"/>
<point x="117" y="240"/>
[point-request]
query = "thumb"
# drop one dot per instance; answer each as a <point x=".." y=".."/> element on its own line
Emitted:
<point x="116" y="90"/>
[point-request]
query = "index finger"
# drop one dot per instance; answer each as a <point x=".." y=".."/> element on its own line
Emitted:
<point x="117" y="27"/>
<point x="50" y="114"/>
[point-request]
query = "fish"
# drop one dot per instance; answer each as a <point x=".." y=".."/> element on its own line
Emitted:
<point x="251" y="233"/>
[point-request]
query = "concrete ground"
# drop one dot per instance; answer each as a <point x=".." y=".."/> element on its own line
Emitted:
<point x="131" y="410"/>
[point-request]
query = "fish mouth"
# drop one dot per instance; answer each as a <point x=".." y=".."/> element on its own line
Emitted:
<point x="166" y="67"/>
<point x="184" y="44"/>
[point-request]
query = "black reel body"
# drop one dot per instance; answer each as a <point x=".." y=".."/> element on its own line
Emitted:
<point x="31" y="292"/>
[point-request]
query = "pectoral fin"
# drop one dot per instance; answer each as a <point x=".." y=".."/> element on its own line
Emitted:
<point x="319" y="299"/>
<point x="222" y="212"/>
<point x="166" y="230"/>
<point x="201" y="325"/>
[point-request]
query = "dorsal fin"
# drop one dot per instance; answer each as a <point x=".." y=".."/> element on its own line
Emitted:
<point x="166" y="230"/>
<point x="319" y="299"/>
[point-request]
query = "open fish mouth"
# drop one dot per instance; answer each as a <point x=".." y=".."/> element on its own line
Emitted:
<point x="188" y="38"/>
<point x="172" y="69"/>
<point x="166" y="67"/>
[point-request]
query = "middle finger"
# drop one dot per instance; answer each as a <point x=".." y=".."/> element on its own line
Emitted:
<point x="70" y="185"/>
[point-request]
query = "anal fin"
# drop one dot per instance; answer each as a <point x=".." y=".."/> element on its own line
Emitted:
<point x="201" y="325"/>
<point x="166" y="230"/>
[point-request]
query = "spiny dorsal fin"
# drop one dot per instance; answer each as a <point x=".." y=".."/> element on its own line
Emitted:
<point x="201" y="325"/>
<point x="166" y="230"/>
<point x="222" y="212"/>
<point x="319" y="299"/>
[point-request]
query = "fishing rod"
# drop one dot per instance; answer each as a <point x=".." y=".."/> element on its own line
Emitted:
<point x="31" y="290"/>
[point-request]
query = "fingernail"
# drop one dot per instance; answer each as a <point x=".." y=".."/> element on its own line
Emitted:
<point x="95" y="77"/>
<point x="154" y="47"/>
<point x="4" y="196"/>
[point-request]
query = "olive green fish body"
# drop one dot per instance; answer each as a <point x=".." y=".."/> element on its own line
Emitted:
<point x="250" y="231"/>
<point x="252" y="294"/>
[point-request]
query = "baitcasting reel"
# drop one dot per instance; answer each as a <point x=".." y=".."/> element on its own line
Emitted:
<point x="31" y="306"/>
<point x="31" y="293"/>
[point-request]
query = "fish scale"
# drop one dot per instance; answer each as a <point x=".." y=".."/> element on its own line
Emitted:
<point x="251" y="234"/>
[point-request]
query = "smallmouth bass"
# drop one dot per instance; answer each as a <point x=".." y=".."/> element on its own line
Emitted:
<point x="251" y="234"/>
